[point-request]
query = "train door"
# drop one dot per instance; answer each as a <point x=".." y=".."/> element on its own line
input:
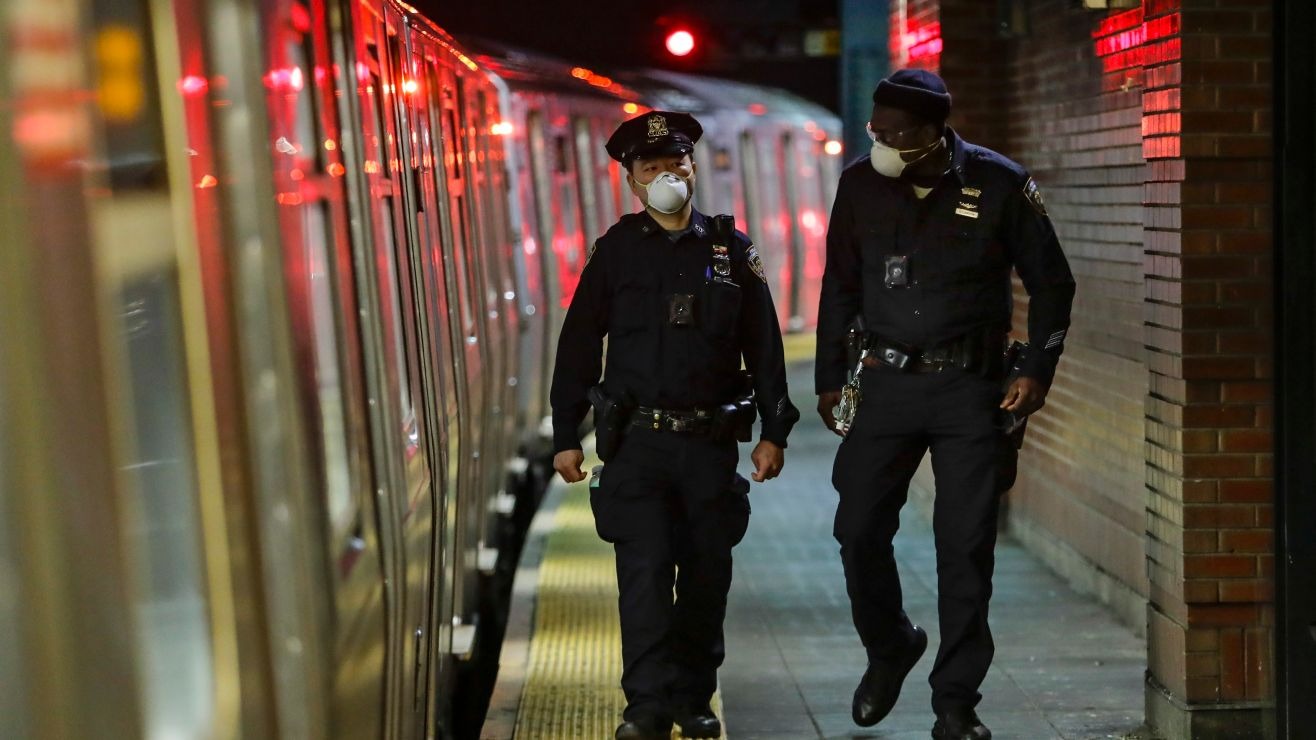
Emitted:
<point x="606" y="176"/>
<point x="486" y="270"/>
<point x="101" y="387"/>
<point x="532" y="393"/>
<point x="308" y="176"/>
<point x="554" y="305"/>
<point x="794" y="241"/>
<point x="463" y="289"/>
<point x="762" y="216"/>
<point x="811" y="220"/>
<point x="491" y="191"/>
<point x="394" y="210"/>
<point x="104" y="391"/>
<point x="434" y="267"/>
<point x="562" y="195"/>
<point x="591" y="205"/>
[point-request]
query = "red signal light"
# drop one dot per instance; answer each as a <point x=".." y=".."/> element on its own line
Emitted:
<point x="680" y="42"/>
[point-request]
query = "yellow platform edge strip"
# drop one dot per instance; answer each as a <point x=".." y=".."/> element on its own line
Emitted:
<point x="800" y="347"/>
<point x="573" y="682"/>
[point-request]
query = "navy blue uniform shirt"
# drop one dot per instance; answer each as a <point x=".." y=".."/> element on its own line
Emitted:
<point x="624" y="294"/>
<point x="984" y="217"/>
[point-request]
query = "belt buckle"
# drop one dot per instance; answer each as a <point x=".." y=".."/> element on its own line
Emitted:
<point x="894" y="357"/>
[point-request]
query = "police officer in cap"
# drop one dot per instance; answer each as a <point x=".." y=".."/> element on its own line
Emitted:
<point x="923" y="236"/>
<point x="682" y="299"/>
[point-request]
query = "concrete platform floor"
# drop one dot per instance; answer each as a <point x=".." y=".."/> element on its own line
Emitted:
<point x="1064" y="667"/>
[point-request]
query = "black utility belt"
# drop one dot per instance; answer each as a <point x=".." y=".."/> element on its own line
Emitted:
<point x="695" y="421"/>
<point x="975" y="353"/>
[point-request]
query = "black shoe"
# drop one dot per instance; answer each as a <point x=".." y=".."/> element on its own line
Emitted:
<point x="644" y="729"/>
<point x="700" y="724"/>
<point x="960" y="724"/>
<point x="880" y="686"/>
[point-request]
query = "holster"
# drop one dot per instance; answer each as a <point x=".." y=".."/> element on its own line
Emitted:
<point x="1012" y="427"/>
<point x="611" y="415"/>
<point x="856" y="335"/>
<point x="735" y="420"/>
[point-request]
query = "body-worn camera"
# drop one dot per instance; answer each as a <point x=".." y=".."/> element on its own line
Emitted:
<point x="681" y="309"/>
<point x="897" y="271"/>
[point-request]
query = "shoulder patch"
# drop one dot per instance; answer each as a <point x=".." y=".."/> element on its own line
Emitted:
<point x="1034" y="196"/>
<point x="755" y="263"/>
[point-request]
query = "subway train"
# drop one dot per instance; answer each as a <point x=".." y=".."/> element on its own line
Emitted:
<point x="279" y="300"/>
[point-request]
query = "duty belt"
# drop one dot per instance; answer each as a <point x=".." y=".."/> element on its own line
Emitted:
<point x="971" y="352"/>
<point x="696" y="421"/>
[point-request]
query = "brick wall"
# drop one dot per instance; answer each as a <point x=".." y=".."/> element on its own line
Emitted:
<point x="1076" y="123"/>
<point x="1207" y="139"/>
<point x="1147" y="478"/>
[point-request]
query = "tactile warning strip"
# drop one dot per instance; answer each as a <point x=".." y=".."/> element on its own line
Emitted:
<point x="573" y="684"/>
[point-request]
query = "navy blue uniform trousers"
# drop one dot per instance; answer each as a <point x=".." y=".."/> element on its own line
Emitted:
<point x="673" y="507"/>
<point x="901" y="417"/>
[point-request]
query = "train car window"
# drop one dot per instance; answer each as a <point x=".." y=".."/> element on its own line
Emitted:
<point x="539" y="175"/>
<point x="455" y="145"/>
<point x="125" y="80"/>
<point x="294" y="79"/>
<point x="626" y="200"/>
<point x="570" y="245"/>
<point x="794" y="240"/>
<point x="389" y="276"/>
<point x="311" y="221"/>
<point x="379" y="140"/>
<point x="749" y="182"/>
<point x="392" y="267"/>
<point x="722" y="159"/>
<point x="561" y="155"/>
<point x="320" y="297"/>
<point x="453" y="155"/>
<point x="705" y="197"/>
<point x="466" y="261"/>
<point x="586" y="178"/>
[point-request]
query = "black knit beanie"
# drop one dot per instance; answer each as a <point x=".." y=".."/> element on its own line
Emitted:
<point x="916" y="91"/>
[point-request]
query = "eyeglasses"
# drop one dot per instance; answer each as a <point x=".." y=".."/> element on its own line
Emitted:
<point x="887" y="137"/>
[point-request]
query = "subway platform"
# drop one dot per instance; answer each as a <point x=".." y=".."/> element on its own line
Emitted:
<point x="1064" y="667"/>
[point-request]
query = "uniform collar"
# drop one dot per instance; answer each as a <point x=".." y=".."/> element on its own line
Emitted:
<point x="698" y="224"/>
<point x="958" y="155"/>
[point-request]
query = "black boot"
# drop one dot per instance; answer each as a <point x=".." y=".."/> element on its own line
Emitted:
<point x="644" y="729"/>
<point x="880" y="686"/>
<point x="961" y="723"/>
<point x="701" y="723"/>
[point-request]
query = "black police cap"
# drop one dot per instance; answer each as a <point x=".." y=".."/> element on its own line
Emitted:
<point x="652" y="134"/>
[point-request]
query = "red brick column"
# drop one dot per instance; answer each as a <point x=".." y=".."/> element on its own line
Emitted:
<point x="976" y="70"/>
<point x="1207" y="247"/>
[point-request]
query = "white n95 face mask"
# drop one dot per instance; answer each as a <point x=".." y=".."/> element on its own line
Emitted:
<point x="668" y="192"/>
<point x="888" y="162"/>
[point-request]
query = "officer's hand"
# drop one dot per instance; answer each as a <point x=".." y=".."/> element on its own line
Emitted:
<point x="768" y="459"/>
<point x="826" y="402"/>
<point x="567" y="464"/>
<point x="1025" y="396"/>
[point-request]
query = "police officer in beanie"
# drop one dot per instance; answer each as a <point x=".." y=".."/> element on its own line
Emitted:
<point x="922" y="239"/>
<point x="682" y="299"/>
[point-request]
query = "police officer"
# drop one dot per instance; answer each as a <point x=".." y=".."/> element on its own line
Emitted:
<point x="681" y="305"/>
<point x="922" y="239"/>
